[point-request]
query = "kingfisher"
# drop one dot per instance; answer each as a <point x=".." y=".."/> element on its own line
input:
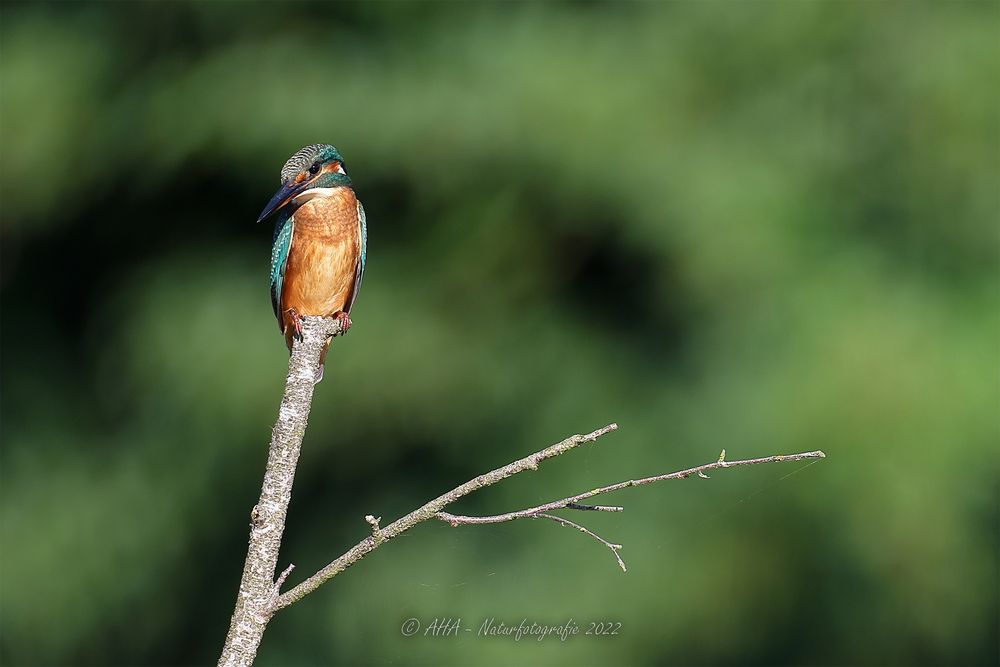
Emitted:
<point x="318" y="252"/>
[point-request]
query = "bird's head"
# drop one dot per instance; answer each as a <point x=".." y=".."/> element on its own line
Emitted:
<point x="312" y="171"/>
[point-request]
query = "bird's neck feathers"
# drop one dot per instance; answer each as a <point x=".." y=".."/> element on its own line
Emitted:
<point x="326" y="211"/>
<point x="319" y="192"/>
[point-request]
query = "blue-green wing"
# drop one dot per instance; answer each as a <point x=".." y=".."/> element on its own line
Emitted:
<point x="283" y="228"/>
<point x="359" y="270"/>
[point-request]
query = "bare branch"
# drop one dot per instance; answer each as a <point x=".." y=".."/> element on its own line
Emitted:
<point x="566" y="522"/>
<point x="259" y="595"/>
<point x="434" y="508"/>
<point x="281" y="579"/>
<point x="572" y="501"/>
<point x="258" y="591"/>
<point x="430" y="510"/>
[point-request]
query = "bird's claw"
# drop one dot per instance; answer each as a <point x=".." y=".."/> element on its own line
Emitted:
<point x="344" y="320"/>
<point x="296" y="319"/>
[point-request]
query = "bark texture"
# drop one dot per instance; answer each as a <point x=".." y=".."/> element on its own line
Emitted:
<point x="258" y="588"/>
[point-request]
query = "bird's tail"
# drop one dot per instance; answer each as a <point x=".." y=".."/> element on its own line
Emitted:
<point x="322" y="362"/>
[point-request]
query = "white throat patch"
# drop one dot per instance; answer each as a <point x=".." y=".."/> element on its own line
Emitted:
<point x="313" y="193"/>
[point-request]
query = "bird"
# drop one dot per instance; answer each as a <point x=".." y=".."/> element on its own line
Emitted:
<point x="318" y="250"/>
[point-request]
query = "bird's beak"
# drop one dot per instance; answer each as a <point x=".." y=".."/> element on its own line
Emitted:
<point x="285" y="194"/>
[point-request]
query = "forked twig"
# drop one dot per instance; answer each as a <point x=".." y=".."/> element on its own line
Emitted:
<point x="260" y="594"/>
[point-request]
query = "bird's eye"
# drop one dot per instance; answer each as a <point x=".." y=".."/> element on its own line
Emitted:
<point x="314" y="168"/>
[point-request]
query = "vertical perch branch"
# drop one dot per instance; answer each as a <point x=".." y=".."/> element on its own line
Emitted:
<point x="258" y="590"/>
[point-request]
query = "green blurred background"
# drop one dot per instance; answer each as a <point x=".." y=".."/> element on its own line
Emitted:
<point x="767" y="226"/>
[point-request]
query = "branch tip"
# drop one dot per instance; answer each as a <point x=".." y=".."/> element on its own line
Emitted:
<point x="281" y="579"/>
<point x="373" y="522"/>
<point x="435" y="508"/>
<point x="566" y="522"/>
<point x="594" y="435"/>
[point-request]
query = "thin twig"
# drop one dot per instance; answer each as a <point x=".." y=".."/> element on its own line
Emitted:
<point x="571" y="502"/>
<point x="373" y="523"/>
<point x="259" y="597"/>
<point x="430" y="510"/>
<point x="566" y="522"/>
<point x="434" y="508"/>
<point x="595" y="508"/>
<point x="281" y="579"/>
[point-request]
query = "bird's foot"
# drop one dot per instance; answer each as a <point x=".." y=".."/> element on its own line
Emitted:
<point x="344" y="320"/>
<point x="296" y="321"/>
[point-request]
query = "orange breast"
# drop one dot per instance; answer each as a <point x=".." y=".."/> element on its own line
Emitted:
<point x="326" y="246"/>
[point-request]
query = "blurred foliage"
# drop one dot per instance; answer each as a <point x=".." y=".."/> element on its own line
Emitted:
<point x="768" y="226"/>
